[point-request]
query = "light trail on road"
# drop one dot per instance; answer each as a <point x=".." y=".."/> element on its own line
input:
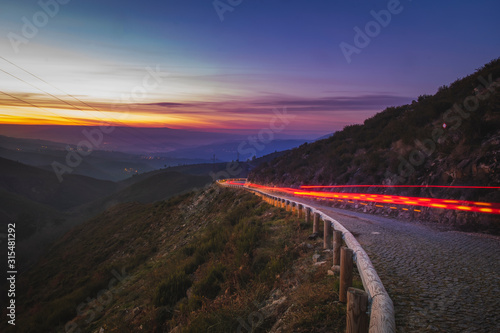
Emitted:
<point x="407" y="186"/>
<point x="460" y="205"/>
<point x="469" y="206"/>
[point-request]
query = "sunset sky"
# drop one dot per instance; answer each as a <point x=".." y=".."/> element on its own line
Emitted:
<point x="176" y="64"/>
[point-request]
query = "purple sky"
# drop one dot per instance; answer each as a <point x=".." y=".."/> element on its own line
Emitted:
<point x="187" y="65"/>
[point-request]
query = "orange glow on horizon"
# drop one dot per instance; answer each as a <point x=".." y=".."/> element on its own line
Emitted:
<point x="17" y="115"/>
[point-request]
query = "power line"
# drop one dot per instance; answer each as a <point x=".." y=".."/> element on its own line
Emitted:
<point x="39" y="107"/>
<point x="51" y="85"/>
<point x="73" y="106"/>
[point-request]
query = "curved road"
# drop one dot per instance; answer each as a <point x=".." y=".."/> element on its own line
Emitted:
<point x="439" y="281"/>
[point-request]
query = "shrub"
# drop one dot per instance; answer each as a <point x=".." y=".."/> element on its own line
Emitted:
<point x="173" y="289"/>
<point x="209" y="286"/>
<point x="247" y="237"/>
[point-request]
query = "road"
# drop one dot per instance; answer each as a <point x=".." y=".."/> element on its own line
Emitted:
<point x="439" y="281"/>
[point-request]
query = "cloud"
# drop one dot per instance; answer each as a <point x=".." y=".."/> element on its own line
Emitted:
<point x="312" y="114"/>
<point x="370" y="102"/>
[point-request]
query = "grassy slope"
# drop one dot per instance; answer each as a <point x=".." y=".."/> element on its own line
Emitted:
<point x="232" y="254"/>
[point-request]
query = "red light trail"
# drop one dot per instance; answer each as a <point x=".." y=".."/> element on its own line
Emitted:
<point x="418" y="186"/>
<point x="470" y="206"/>
<point x="461" y="205"/>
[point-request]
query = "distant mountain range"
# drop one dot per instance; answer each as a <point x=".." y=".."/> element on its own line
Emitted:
<point x="119" y="165"/>
<point x="136" y="140"/>
<point x="133" y="140"/>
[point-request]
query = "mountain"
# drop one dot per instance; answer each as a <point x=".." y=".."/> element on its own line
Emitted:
<point x="148" y="188"/>
<point x="135" y="140"/>
<point x="450" y="138"/>
<point x="28" y="215"/>
<point x="44" y="208"/>
<point x="105" y="165"/>
<point x="232" y="150"/>
<point x="325" y="136"/>
<point x="165" y="183"/>
<point x="217" y="260"/>
<point x="44" y="187"/>
<point x="117" y="166"/>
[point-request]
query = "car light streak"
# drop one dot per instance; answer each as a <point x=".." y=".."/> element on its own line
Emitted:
<point x="469" y="206"/>
<point x="396" y="186"/>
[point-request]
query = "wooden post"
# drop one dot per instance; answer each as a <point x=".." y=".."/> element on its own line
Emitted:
<point x="293" y="205"/>
<point x="345" y="272"/>
<point x="308" y="215"/>
<point x="337" y="243"/>
<point x="299" y="210"/>
<point x="316" y="223"/>
<point x="326" y="233"/>
<point x="357" y="320"/>
<point x="288" y="205"/>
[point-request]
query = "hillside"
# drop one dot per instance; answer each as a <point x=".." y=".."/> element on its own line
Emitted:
<point x="147" y="188"/>
<point x="450" y="138"/>
<point x="29" y="216"/>
<point x="44" y="208"/>
<point x="211" y="260"/>
<point x="37" y="202"/>
<point x="43" y="186"/>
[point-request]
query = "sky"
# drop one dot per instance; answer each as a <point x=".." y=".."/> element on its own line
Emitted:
<point x="230" y="65"/>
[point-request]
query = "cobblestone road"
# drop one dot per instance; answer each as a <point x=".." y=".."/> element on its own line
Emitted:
<point x="439" y="281"/>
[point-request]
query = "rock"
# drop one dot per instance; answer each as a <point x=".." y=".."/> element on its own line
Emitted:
<point x="276" y="294"/>
<point x="306" y="245"/>
<point x="136" y="311"/>
<point x="316" y="257"/>
<point x="313" y="236"/>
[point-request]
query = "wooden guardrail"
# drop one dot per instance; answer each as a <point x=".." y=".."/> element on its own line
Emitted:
<point x="380" y="306"/>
